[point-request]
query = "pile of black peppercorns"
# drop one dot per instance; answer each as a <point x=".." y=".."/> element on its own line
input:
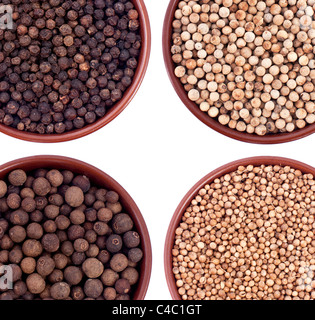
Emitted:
<point x="65" y="238"/>
<point x="65" y="63"/>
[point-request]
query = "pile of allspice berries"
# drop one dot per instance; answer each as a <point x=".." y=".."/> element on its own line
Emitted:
<point x="63" y="238"/>
<point x="248" y="64"/>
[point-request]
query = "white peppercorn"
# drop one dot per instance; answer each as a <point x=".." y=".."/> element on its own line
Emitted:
<point x="256" y="53"/>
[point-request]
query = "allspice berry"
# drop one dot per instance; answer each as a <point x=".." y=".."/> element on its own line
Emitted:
<point x="19" y="217"/>
<point x="122" y="286"/>
<point x="82" y="182"/>
<point x="35" y="283"/>
<point x="17" y="177"/>
<point x="77" y="217"/>
<point x="101" y="228"/>
<point x="77" y="293"/>
<point x="32" y="248"/>
<point x="34" y="231"/>
<point x="114" y="243"/>
<point x="59" y="240"/>
<point x="54" y="177"/>
<point x="81" y="245"/>
<point x="93" y="288"/>
<point x="28" y="265"/>
<point x="109" y="277"/>
<point x="50" y="242"/>
<point x="56" y="276"/>
<point x="74" y="196"/>
<point x="92" y="267"/>
<point x="3" y="188"/>
<point x="60" y="260"/>
<point x="135" y="255"/>
<point x="17" y="234"/>
<point x="73" y="275"/>
<point x="131" y="239"/>
<point x="41" y="186"/>
<point x="4" y="225"/>
<point x="112" y="197"/>
<point x="122" y="223"/>
<point x="119" y="262"/>
<point x="45" y="266"/>
<point x="110" y="293"/>
<point x="104" y="214"/>
<point x="60" y="291"/>
<point x="130" y="274"/>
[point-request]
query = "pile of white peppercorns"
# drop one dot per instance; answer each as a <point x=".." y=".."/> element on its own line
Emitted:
<point x="249" y="235"/>
<point x="248" y="64"/>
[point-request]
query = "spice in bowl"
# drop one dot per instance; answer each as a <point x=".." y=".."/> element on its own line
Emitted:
<point x="64" y="64"/>
<point x="248" y="235"/>
<point x="248" y="64"/>
<point x="64" y="238"/>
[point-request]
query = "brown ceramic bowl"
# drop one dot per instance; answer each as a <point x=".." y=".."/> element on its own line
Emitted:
<point x="100" y="179"/>
<point x="219" y="172"/>
<point x="204" y="117"/>
<point x="115" y="110"/>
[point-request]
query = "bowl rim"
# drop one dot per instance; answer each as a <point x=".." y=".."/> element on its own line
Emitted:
<point x="114" y="111"/>
<point x="98" y="177"/>
<point x="204" y="117"/>
<point x="222" y="170"/>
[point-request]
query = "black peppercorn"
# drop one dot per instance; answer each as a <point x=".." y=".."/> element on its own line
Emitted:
<point x="49" y="33"/>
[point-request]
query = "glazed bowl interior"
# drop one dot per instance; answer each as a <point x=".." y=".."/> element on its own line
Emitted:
<point x="219" y="172"/>
<point x="103" y="180"/>
<point x="204" y="117"/>
<point x="116" y="109"/>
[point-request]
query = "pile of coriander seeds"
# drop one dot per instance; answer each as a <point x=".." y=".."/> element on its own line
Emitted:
<point x="64" y="238"/>
<point x="248" y="235"/>
<point x="248" y="64"/>
<point x="64" y="64"/>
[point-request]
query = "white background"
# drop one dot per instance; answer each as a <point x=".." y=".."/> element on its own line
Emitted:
<point x="157" y="150"/>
